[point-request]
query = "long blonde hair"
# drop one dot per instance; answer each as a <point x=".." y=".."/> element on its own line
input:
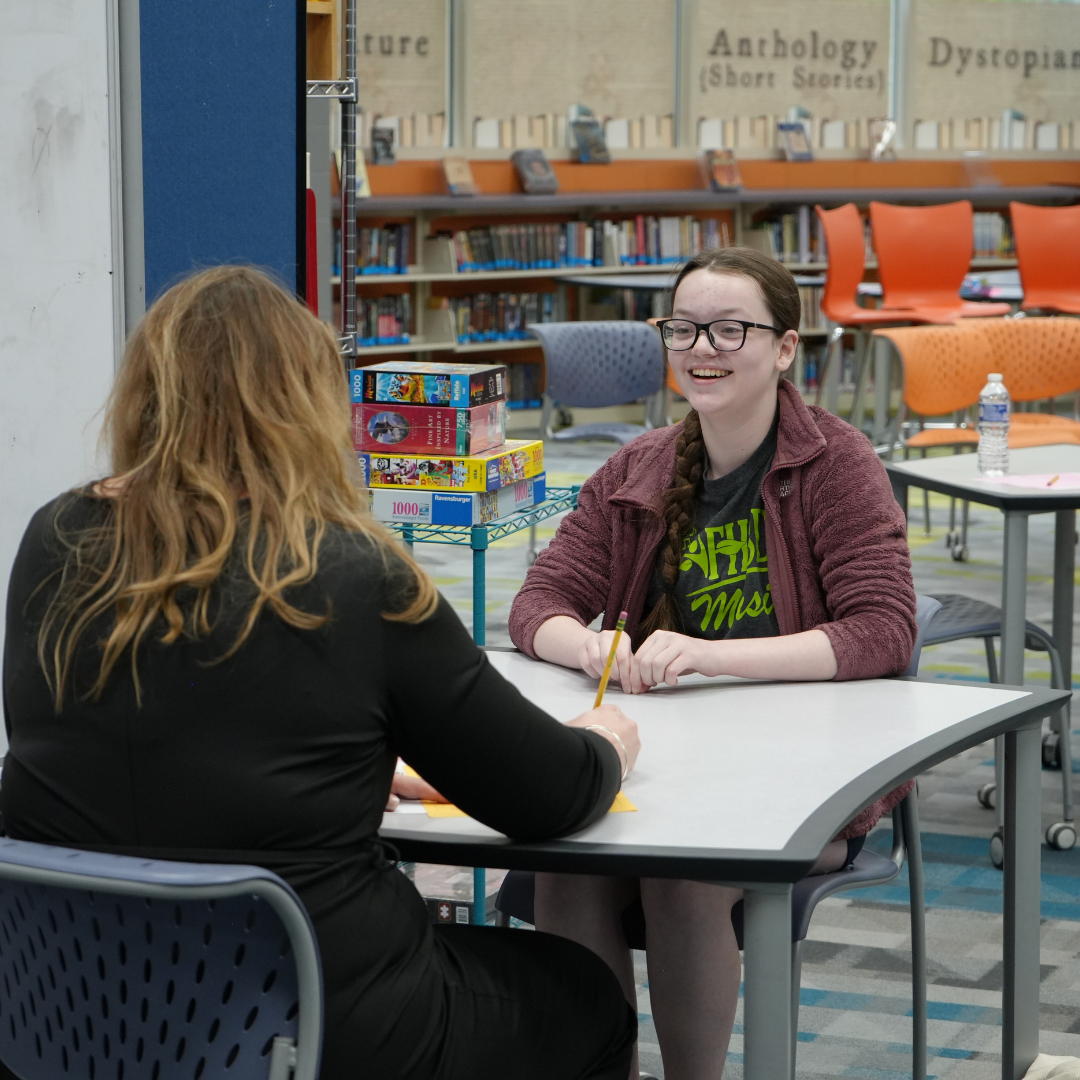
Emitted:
<point x="229" y="390"/>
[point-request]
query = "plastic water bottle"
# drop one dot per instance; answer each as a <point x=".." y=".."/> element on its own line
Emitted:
<point x="994" y="409"/>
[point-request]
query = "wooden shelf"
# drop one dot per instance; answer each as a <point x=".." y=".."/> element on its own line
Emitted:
<point x="700" y="199"/>
<point x="603" y="271"/>
<point x="417" y="345"/>
<point x="504" y="275"/>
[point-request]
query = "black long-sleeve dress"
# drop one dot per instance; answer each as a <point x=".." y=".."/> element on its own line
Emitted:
<point x="282" y="756"/>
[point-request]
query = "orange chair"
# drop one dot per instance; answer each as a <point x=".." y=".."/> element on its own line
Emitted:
<point x="945" y="368"/>
<point x="1048" y="251"/>
<point x="846" y="244"/>
<point x="924" y="253"/>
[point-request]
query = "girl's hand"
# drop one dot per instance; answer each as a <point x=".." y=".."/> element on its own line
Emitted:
<point x="593" y="653"/>
<point x="616" y="722"/>
<point x="666" y="655"/>
<point x="411" y="787"/>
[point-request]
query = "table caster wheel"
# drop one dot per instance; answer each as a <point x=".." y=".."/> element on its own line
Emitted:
<point x="960" y="553"/>
<point x="1061" y="836"/>
<point x="988" y="796"/>
<point x="1051" y="752"/>
<point x="997" y="848"/>
<point x="530" y="558"/>
<point x="950" y="539"/>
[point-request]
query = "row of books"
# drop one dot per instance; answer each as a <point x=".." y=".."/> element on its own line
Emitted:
<point x="648" y="240"/>
<point x="993" y="236"/>
<point x="810" y="302"/>
<point x="1011" y="131"/>
<point x="526" y="386"/>
<point x="552" y="130"/>
<point x="500" y="316"/>
<point x="793" y="238"/>
<point x="431" y="441"/>
<point x="383" y="321"/>
<point x="379" y="249"/>
<point x="642" y="240"/>
<point x="761" y="133"/>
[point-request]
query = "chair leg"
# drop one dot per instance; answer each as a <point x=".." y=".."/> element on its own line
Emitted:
<point x="1062" y="724"/>
<point x="864" y="352"/>
<point x="991" y="660"/>
<point x="826" y="362"/>
<point x="796" y="979"/>
<point x="909" y="810"/>
<point x="926" y="507"/>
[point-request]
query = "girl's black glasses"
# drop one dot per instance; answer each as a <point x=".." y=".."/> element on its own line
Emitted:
<point x="725" y="335"/>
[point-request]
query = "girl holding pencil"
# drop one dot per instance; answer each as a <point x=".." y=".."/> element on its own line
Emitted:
<point x="757" y="538"/>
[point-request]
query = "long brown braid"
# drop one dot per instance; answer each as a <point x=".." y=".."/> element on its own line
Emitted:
<point x="781" y="296"/>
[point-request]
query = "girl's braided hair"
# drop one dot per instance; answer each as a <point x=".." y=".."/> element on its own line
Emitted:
<point x="781" y="296"/>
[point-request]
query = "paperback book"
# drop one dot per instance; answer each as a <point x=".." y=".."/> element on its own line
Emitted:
<point x="535" y="172"/>
<point x="589" y="140"/>
<point x="720" y="170"/>
<point x="517" y="459"/>
<point x="451" y="508"/>
<point x="458" y="176"/>
<point x="429" y="429"/>
<point x="397" y="382"/>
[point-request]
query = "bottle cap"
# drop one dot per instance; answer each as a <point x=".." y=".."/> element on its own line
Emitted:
<point x="993" y="378"/>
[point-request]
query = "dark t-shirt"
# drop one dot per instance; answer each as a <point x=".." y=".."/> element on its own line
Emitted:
<point x="722" y="590"/>
<point x="281" y="755"/>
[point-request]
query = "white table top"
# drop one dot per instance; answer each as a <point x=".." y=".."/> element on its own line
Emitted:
<point x="746" y="771"/>
<point x="959" y="474"/>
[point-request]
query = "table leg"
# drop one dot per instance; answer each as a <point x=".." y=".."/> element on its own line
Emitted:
<point x="479" y="893"/>
<point x="1064" y="576"/>
<point x="1014" y="598"/>
<point x="1020" y="996"/>
<point x="767" y="965"/>
<point x="479" y="543"/>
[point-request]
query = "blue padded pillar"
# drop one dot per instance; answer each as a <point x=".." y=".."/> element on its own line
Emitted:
<point x="222" y="137"/>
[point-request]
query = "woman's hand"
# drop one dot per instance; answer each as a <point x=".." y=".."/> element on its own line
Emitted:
<point x="594" y="651"/>
<point x="411" y="787"/>
<point x="614" y="725"/>
<point x="666" y="655"/>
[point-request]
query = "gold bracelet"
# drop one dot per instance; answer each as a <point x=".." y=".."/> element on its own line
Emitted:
<point x="625" y="755"/>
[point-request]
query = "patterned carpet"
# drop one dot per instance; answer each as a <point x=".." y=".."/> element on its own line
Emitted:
<point x="855" y="1013"/>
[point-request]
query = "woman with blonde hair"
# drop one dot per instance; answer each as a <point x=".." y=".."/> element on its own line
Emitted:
<point x="215" y="654"/>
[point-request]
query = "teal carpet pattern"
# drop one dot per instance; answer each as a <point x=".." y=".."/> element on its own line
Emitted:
<point x="855" y="1010"/>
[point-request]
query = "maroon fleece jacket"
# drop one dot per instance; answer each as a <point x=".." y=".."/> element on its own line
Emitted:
<point x="835" y="537"/>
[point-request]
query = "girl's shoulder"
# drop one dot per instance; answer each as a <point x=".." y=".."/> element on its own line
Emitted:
<point x="644" y="462"/>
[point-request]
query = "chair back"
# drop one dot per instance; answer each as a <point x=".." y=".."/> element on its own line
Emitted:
<point x="923" y="253"/>
<point x="590" y="365"/>
<point x="117" y="967"/>
<point x="845" y="240"/>
<point x="926" y="607"/>
<point x="1048" y="252"/>
<point x="1037" y="358"/>
<point x="945" y="367"/>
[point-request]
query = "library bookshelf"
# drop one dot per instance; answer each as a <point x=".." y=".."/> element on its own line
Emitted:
<point x="430" y="284"/>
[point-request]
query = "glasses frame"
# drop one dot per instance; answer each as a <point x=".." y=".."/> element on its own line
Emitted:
<point x="661" y="323"/>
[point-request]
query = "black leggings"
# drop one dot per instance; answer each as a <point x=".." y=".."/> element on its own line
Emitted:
<point x="531" y="1006"/>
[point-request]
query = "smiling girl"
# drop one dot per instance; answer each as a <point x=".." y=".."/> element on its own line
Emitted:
<point x="757" y="538"/>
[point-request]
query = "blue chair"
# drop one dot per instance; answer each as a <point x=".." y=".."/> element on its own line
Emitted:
<point x="137" y="969"/>
<point x="515" y="898"/>
<point x="591" y="365"/>
<point x="965" y="617"/>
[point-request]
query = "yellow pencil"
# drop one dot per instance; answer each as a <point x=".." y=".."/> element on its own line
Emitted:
<point x="1051" y="483"/>
<point x="619" y="627"/>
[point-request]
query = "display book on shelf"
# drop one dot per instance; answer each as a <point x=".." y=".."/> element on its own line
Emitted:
<point x="431" y="440"/>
